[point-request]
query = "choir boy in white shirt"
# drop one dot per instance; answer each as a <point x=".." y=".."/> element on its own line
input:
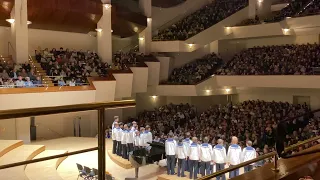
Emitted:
<point x="134" y="126"/>
<point x="142" y="137"/>
<point x="124" y="137"/>
<point x="219" y="158"/>
<point x="130" y="139"/>
<point x="117" y="133"/>
<point x="116" y="120"/>
<point x="114" y="147"/>
<point x="234" y="156"/>
<point x="194" y="158"/>
<point x="170" y="148"/>
<point x="148" y="137"/>
<point x="206" y="157"/>
<point x="248" y="154"/>
<point x="137" y="140"/>
<point x="187" y="142"/>
<point x="182" y="155"/>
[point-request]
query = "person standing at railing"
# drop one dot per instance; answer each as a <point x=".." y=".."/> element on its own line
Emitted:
<point x="206" y="157"/>
<point x="194" y="158"/>
<point x="220" y="157"/>
<point x="170" y="148"/>
<point x="248" y="154"/>
<point x="234" y="156"/>
<point x="115" y="125"/>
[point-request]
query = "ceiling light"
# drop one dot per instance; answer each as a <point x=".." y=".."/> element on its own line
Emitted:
<point x="135" y="29"/>
<point x="29" y="22"/>
<point x="107" y="6"/>
<point x="99" y="30"/>
<point x="111" y="30"/>
<point x="228" y="90"/>
<point x="149" y="19"/>
<point x="190" y="45"/>
<point x="208" y="91"/>
<point x="141" y="38"/>
<point x="154" y="97"/>
<point x="228" y="28"/>
<point x="11" y="21"/>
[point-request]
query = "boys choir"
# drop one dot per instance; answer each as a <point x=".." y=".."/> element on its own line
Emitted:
<point x="189" y="155"/>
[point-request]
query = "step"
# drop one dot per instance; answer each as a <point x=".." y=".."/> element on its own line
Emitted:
<point x="21" y="153"/>
<point x="8" y="145"/>
<point x="46" y="169"/>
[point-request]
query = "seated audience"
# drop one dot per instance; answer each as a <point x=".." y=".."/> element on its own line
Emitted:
<point x="201" y="20"/>
<point x="71" y="65"/>
<point x="254" y="21"/>
<point x="274" y="60"/>
<point x="195" y="71"/>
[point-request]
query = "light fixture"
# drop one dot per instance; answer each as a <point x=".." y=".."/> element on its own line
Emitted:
<point x="111" y="30"/>
<point x="141" y="38"/>
<point x="260" y="1"/>
<point x="190" y="45"/>
<point x="11" y="21"/>
<point x="228" y="90"/>
<point x="99" y="30"/>
<point x="228" y="28"/>
<point x="107" y="6"/>
<point x="208" y="91"/>
<point x="29" y="22"/>
<point x="135" y="29"/>
<point x="149" y="19"/>
<point x="154" y="97"/>
<point x="286" y="30"/>
<point x="288" y="17"/>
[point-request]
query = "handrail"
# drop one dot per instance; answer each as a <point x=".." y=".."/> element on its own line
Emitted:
<point x="29" y="112"/>
<point x="260" y="158"/>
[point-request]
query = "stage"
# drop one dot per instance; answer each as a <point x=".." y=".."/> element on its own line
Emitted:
<point x="68" y="169"/>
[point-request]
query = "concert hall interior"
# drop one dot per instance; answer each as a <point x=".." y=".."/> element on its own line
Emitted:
<point x="160" y="89"/>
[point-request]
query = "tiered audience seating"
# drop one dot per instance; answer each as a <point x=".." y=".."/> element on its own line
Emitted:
<point x="201" y="20"/>
<point x="195" y="71"/>
<point x="254" y="120"/>
<point x="274" y="60"/>
<point x="19" y="75"/>
<point x="71" y="68"/>
<point x="123" y="60"/>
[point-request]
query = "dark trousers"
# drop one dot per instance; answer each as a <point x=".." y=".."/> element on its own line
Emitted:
<point x="181" y="167"/>
<point x="130" y="147"/>
<point x="114" y="147"/>
<point x="171" y="159"/>
<point x="187" y="165"/>
<point x="205" y="168"/>
<point x="220" y="167"/>
<point x="248" y="168"/>
<point x="119" y="149"/>
<point x="234" y="173"/>
<point x="193" y="167"/>
<point x="124" y="151"/>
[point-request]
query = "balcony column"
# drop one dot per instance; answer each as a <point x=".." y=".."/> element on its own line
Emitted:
<point x="252" y="9"/>
<point x="145" y="37"/>
<point x="104" y="33"/>
<point x="263" y="8"/>
<point x="19" y="32"/>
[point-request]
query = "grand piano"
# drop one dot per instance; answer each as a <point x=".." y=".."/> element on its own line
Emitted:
<point x="142" y="157"/>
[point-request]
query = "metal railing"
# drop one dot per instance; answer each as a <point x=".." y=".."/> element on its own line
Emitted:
<point x="100" y="107"/>
<point x="260" y="158"/>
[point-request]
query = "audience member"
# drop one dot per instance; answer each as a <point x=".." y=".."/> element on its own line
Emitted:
<point x="201" y="20"/>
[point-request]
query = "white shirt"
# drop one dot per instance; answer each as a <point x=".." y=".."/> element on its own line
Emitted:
<point x="181" y="151"/>
<point x="206" y="153"/>
<point x="124" y="136"/>
<point x="113" y="134"/>
<point x="194" y="152"/>
<point x="170" y="147"/>
<point x="248" y="154"/>
<point x="219" y="154"/>
<point x="148" y="138"/>
<point x="136" y="140"/>
<point x="234" y="154"/>
<point x="117" y="133"/>
<point x="186" y="142"/>
<point x="142" y="139"/>
<point x="131" y="135"/>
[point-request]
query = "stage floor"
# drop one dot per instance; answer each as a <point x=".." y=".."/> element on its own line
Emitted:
<point x="68" y="169"/>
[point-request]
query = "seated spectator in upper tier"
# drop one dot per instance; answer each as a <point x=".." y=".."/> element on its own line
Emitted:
<point x="71" y="65"/>
<point x="20" y="82"/>
<point x="28" y="83"/>
<point x="254" y="21"/>
<point x="274" y="60"/>
<point x="201" y="20"/>
<point x="311" y="9"/>
<point x="196" y="71"/>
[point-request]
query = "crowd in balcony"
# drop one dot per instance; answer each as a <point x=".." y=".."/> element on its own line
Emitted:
<point x="195" y="71"/>
<point x="312" y="9"/>
<point x="123" y="60"/>
<point x="253" y="120"/>
<point x="71" y="68"/>
<point x="201" y="20"/>
<point x="274" y="60"/>
<point x="254" y="21"/>
<point x="14" y="75"/>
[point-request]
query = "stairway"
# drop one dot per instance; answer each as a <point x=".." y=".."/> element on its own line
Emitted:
<point x="40" y="72"/>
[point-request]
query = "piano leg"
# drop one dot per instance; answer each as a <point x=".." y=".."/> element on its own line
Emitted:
<point x="137" y="172"/>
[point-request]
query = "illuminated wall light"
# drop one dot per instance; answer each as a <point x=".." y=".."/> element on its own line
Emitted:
<point x="228" y="90"/>
<point x="286" y="30"/>
<point x="135" y="29"/>
<point x="29" y="22"/>
<point x="208" y="91"/>
<point x="190" y="45"/>
<point x="99" y="30"/>
<point x="107" y="6"/>
<point x="111" y="30"/>
<point x="288" y="17"/>
<point x="260" y="1"/>
<point x="154" y="97"/>
<point x="149" y="19"/>
<point x="228" y="28"/>
<point x="141" y="38"/>
<point x="11" y="21"/>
